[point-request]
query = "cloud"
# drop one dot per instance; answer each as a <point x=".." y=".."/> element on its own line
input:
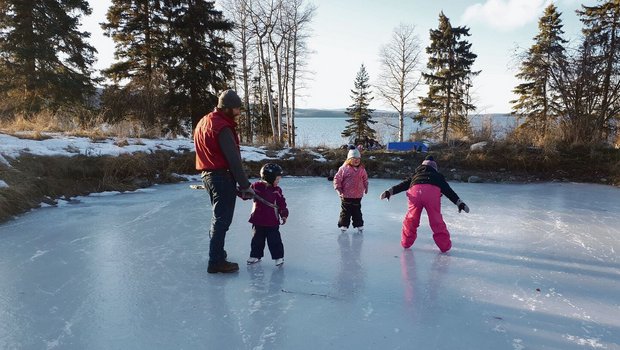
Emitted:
<point x="505" y="14"/>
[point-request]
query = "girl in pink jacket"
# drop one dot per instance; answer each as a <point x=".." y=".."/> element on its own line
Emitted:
<point x="351" y="183"/>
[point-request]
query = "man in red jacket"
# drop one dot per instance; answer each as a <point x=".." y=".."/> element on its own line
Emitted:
<point x="219" y="159"/>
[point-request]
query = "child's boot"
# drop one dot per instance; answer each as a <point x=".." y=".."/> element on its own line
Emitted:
<point x="253" y="260"/>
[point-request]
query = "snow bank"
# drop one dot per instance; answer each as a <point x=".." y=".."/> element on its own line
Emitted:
<point x="69" y="146"/>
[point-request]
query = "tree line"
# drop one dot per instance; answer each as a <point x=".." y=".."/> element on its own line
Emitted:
<point x="448" y="76"/>
<point x="568" y="93"/>
<point x="571" y="92"/>
<point x="172" y="58"/>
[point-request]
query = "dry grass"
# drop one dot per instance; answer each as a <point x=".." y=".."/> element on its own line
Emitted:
<point x="80" y="123"/>
<point x="35" y="179"/>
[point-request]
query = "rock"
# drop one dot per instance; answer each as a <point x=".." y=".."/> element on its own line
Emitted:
<point x="478" y="147"/>
<point x="474" y="179"/>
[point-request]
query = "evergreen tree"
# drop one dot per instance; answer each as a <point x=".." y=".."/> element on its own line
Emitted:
<point x="204" y="58"/>
<point x="602" y="31"/>
<point x="135" y="26"/>
<point x="45" y="61"/>
<point x="172" y="56"/>
<point x="449" y="79"/>
<point x="538" y="98"/>
<point x="579" y="92"/>
<point x="361" y="115"/>
<point x="137" y="29"/>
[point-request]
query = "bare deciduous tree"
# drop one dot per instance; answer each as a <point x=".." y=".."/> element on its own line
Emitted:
<point x="279" y="30"/>
<point x="400" y="71"/>
<point x="243" y="36"/>
<point x="264" y="19"/>
<point x="298" y="15"/>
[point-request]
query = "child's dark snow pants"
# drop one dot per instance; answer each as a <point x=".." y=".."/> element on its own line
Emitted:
<point x="350" y="208"/>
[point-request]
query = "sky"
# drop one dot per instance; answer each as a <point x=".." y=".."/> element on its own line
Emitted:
<point x="349" y="33"/>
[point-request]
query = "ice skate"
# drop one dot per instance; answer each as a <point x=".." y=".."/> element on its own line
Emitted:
<point x="252" y="260"/>
<point x="343" y="229"/>
<point x="279" y="262"/>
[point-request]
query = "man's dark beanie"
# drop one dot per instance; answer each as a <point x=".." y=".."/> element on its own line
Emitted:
<point x="229" y="99"/>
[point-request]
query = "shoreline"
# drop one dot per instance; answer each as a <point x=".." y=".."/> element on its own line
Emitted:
<point x="33" y="180"/>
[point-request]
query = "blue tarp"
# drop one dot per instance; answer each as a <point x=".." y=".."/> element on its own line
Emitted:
<point x="407" y="146"/>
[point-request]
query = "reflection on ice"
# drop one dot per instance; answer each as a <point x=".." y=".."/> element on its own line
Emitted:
<point x="532" y="266"/>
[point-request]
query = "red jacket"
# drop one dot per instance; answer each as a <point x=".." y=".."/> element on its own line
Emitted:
<point x="209" y="154"/>
<point x="262" y="214"/>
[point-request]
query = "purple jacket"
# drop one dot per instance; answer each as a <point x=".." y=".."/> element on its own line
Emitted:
<point x="351" y="181"/>
<point x="262" y="214"/>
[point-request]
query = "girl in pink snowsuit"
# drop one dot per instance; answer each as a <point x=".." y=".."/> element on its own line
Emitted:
<point x="351" y="183"/>
<point x="424" y="190"/>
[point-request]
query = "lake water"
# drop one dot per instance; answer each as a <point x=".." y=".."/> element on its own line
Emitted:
<point x="317" y="131"/>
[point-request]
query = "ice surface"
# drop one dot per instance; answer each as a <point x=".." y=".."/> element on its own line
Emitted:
<point x="532" y="267"/>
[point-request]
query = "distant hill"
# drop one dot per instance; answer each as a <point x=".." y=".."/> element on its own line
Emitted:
<point x="319" y="113"/>
<point x="340" y="113"/>
<point x="333" y="113"/>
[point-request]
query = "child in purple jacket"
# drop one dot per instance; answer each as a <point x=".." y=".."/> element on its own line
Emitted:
<point x="351" y="183"/>
<point x="269" y="206"/>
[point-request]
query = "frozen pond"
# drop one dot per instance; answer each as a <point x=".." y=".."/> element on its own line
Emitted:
<point x="532" y="267"/>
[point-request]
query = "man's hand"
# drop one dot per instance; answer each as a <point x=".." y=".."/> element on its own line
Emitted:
<point x="246" y="193"/>
<point x="283" y="219"/>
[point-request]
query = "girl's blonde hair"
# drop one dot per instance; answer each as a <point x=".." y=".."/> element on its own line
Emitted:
<point x="350" y="160"/>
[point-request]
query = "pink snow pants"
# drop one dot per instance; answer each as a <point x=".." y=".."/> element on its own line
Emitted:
<point x="427" y="197"/>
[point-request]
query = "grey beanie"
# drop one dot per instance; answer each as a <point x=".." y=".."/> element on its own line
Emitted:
<point x="354" y="153"/>
<point x="229" y="99"/>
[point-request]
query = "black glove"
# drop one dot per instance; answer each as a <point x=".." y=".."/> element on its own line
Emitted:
<point x="462" y="206"/>
<point x="386" y="194"/>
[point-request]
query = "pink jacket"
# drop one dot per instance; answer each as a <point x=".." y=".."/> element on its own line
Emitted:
<point x="351" y="181"/>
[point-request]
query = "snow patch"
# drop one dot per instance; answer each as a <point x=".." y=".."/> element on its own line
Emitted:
<point x="4" y="161"/>
<point x="591" y="342"/>
<point x="319" y="157"/>
<point x="517" y="344"/>
<point x="104" y="194"/>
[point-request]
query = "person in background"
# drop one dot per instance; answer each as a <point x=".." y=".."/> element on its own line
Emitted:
<point x="424" y="189"/>
<point x="268" y="209"/>
<point x="219" y="159"/>
<point x="351" y="183"/>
